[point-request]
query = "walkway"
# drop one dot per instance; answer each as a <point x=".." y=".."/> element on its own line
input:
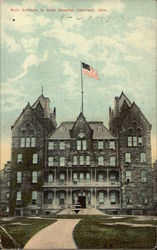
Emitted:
<point x="58" y="235"/>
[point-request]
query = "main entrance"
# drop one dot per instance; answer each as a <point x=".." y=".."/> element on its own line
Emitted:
<point x="82" y="201"/>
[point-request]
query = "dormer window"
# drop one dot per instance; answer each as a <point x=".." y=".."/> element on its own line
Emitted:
<point x="62" y="145"/>
<point x="100" y="145"/>
<point x="81" y="145"/>
<point x="112" y="145"/>
<point x="50" y="145"/>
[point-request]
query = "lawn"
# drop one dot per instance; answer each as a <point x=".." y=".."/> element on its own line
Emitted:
<point x="22" y="233"/>
<point x="94" y="233"/>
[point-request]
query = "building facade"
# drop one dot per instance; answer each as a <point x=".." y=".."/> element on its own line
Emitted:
<point x="5" y="189"/>
<point x="81" y="161"/>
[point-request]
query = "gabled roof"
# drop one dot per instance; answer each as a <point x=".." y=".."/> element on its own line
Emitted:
<point x="100" y="132"/>
<point x="40" y="99"/>
<point x="28" y="106"/>
<point x="123" y="98"/>
<point x="134" y="105"/>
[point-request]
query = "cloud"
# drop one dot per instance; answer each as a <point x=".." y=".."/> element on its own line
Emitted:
<point x="30" y="61"/>
<point x="131" y="58"/>
<point x="30" y="44"/>
<point x="71" y="79"/>
<point x="10" y="42"/>
<point x="142" y="34"/>
<point x="25" y="22"/>
<point x="110" y="6"/>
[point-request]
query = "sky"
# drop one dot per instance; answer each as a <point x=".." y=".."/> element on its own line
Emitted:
<point x="44" y="41"/>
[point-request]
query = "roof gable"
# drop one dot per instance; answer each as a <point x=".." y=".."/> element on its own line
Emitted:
<point x="81" y="125"/>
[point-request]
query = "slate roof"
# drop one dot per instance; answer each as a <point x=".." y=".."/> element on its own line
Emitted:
<point x="99" y="131"/>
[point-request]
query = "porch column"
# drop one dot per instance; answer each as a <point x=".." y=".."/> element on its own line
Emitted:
<point x="95" y="198"/>
<point x="107" y="175"/>
<point x="108" y="196"/>
<point x="67" y="203"/>
<point x="55" y="200"/>
<point x="55" y="176"/>
<point x="67" y="177"/>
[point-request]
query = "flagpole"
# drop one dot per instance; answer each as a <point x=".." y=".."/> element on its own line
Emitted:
<point x="81" y="88"/>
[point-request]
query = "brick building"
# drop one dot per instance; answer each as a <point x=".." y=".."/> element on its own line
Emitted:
<point x="81" y="161"/>
<point x="5" y="189"/>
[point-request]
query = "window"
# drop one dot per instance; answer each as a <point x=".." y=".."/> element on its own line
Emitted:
<point x="112" y="177"/>
<point x="22" y="142"/>
<point x="50" y="197"/>
<point x="112" y="145"/>
<point x="101" y="197"/>
<point x="62" y="177"/>
<point x="87" y="160"/>
<point x="112" y="161"/>
<point x="34" y="197"/>
<point x="50" y="145"/>
<point x="100" y="177"/>
<point x="62" y="161"/>
<point x="113" y="198"/>
<point x="34" y="177"/>
<point x="129" y="141"/>
<point x="84" y="145"/>
<point x="87" y="177"/>
<point x="100" y="145"/>
<point x="143" y="157"/>
<point x="7" y="210"/>
<point x="144" y="197"/>
<point x="100" y="161"/>
<point x="75" y="160"/>
<point x="81" y="145"/>
<point x="74" y="176"/>
<point x="78" y="145"/>
<point x="81" y="160"/>
<point x="8" y="183"/>
<point x="8" y="195"/>
<point x="19" y="177"/>
<point x="127" y="157"/>
<point x="50" y="161"/>
<point x="81" y="177"/>
<point x="33" y="142"/>
<point x="18" y="196"/>
<point x="128" y="176"/>
<point x="139" y="140"/>
<point x="128" y="197"/>
<point x="62" y="197"/>
<point x="28" y="142"/>
<point x="19" y="158"/>
<point x="35" y="158"/>
<point x="50" y="177"/>
<point x="62" y="145"/>
<point x="143" y="176"/>
<point x="134" y="141"/>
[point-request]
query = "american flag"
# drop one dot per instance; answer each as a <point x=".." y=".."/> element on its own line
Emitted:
<point x="89" y="71"/>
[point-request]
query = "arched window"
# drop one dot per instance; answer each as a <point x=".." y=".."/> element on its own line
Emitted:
<point x="27" y="136"/>
<point x="134" y="135"/>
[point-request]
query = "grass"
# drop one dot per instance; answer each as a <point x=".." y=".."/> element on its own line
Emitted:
<point x="95" y="234"/>
<point x="91" y="232"/>
<point x="22" y="233"/>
